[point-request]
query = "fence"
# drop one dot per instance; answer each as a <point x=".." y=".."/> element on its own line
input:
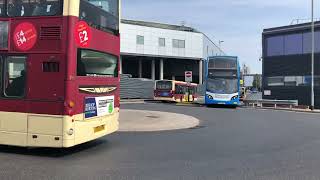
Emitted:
<point x="135" y="88"/>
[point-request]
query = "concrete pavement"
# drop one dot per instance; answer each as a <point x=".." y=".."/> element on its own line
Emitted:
<point x="146" y="121"/>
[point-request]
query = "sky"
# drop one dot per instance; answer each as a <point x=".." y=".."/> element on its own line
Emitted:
<point x="239" y="23"/>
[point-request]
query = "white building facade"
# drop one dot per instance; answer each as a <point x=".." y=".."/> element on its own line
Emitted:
<point x="161" y="51"/>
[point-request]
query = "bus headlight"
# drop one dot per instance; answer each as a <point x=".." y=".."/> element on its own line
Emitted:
<point x="210" y="97"/>
<point x="70" y="132"/>
<point x="234" y="97"/>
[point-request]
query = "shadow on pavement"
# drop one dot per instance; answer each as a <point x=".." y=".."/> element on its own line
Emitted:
<point x="52" y="152"/>
<point x="218" y="106"/>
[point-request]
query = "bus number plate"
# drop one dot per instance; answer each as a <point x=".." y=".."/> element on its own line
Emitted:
<point x="99" y="128"/>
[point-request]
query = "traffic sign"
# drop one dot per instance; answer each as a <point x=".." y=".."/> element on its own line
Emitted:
<point x="188" y="76"/>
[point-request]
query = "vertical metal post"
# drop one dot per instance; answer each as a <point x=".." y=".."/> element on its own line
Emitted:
<point x="200" y="71"/>
<point x="153" y="69"/>
<point x="161" y="69"/>
<point x="140" y="68"/>
<point x="312" y="54"/>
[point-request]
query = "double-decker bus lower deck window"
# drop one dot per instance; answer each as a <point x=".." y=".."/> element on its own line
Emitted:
<point x="101" y="14"/>
<point x="16" y="8"/>
<point x="14" y="76"/>
<point x="222" y="85"/>
<point x="93" y="63"/>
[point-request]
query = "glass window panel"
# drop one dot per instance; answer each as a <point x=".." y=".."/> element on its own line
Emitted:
<point x="101" y="14"/>
<point x="175" y="43"/>
<point x="182" y="44"/>
<point x="3" y="35"/>
<point x="15" y="76"/>
<point x="275" y="46"/>
<point x="162" y="42"/>
<point x="93" y="63"/>
<point x="2" y="8"/>
<point x="307" y="42"/>
<point x="164" y="85"/>
<point x="293" y="44"/>
<point x="276" y="81"/>
<point x="140" y="40"/>
<point x="34" y="7"/>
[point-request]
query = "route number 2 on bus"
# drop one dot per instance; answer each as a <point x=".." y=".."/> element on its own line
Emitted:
<point x="82" y="34"/>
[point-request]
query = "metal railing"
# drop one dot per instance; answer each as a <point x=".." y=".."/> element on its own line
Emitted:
<point x="275" y="103"/>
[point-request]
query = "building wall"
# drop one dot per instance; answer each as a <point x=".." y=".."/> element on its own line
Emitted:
<point x="287" y="57"/>
<point x="196" y="44"/>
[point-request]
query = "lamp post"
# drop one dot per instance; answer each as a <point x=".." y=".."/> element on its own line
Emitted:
<point x="220" y="42"/>
<point x="312" y="54"/>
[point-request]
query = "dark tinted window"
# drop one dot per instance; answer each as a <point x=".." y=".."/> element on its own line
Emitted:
<point x="223" y="63"/>
<point x="164" y="85"/>
<point x="2" y="8"/>
<point x="180" y="89"/>
<point x="17" y="8"/>
<point x="93" y="63"/>
<point x="275" y="46"/>
<point x="3" y="35"/>
<point x="14" y="76"/>
<point x="101" y="14"/>
<point x="307" y="42"/>
<point x="293" y="44"/>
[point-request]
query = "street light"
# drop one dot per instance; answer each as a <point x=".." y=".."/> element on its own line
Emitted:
<point x="312" y="55"/>
<point x="220" y="42"/>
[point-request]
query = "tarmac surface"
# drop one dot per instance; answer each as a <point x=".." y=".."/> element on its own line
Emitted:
<point x="229" y="144"/>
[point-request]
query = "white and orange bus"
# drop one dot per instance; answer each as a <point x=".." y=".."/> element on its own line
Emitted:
<point x="175" y="91"/>
<point x="59" y="73"/>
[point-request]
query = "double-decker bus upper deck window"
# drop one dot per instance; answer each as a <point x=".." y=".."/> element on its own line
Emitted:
<point x="16" y="8"/>
<point x="101" y="14"/>
<point x="93" y="63"/>
<point x="3" y="34"/>
<point x="14" y="76"/>
<point x="2" y="8"/>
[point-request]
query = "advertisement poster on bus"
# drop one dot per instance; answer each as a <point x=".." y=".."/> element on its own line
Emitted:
<point x="25" y="36"/>
<point x="82" y="34"/>
<point x="99" y="106"/>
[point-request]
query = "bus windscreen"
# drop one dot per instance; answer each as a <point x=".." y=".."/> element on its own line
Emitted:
<point x="164" y="85"/>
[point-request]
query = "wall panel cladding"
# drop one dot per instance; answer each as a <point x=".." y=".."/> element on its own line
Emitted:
<point x="296" y="65"/>
<point x="302" y="94"/>
<point x="317" y="97"/>
<point x="135" y="88"/>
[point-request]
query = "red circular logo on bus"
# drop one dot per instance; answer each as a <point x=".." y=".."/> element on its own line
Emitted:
<point x="82" y="34"/>
<point x="25" y="36"/>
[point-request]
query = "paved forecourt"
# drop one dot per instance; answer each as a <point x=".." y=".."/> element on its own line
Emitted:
<point x="147" y="121"/>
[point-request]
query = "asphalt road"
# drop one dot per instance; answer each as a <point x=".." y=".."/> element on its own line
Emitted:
<point x="230" y="144"/>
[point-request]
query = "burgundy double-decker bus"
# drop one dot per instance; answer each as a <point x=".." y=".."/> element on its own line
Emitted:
<point x="59" y="73"/>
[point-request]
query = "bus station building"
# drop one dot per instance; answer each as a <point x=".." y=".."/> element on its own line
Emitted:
<point x="160" y="51"/>
<point x="287" y="63"/>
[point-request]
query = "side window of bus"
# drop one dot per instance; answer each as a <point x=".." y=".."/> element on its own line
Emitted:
<point x="101" y="14"/>
<point x="180" y="89"/>
<point x="33" y="7"/>
<point x="94" y="63"/>
<point x="14" y="80"/>
<point x="1" y="8"/>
